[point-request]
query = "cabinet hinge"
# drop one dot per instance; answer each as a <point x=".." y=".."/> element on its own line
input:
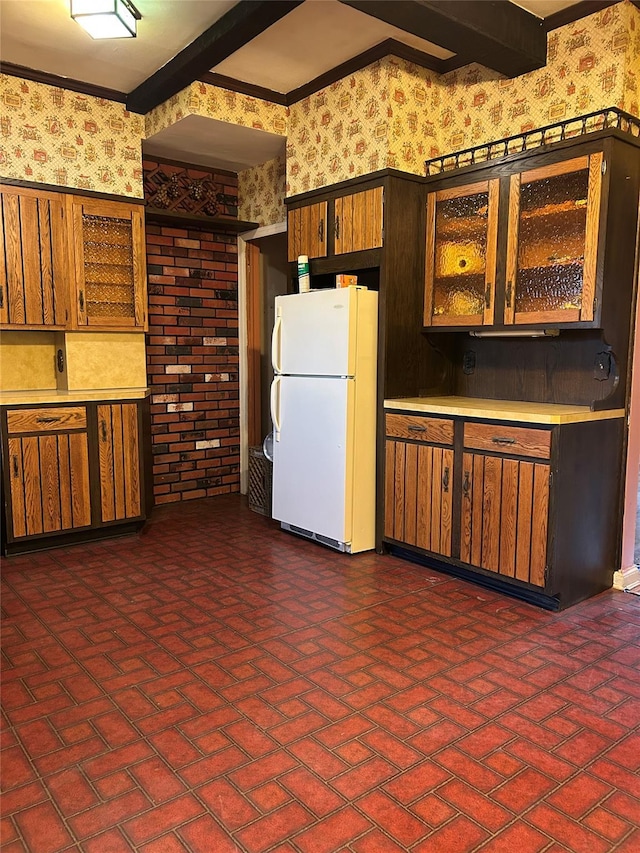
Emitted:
<point x="546" y="574"/>
<point x="595" y="304"/>
<point x="603" y="167"/>
<point x="550" y="479"/>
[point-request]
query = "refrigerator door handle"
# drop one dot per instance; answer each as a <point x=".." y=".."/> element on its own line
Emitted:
<point x="276" y="344"/>
<point x="275" y="406"/>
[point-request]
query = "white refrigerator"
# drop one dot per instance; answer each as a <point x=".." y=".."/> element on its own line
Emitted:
<point x="323" y="408"/>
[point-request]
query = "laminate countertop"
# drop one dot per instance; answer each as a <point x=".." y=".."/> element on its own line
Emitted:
<point x="501" y="410"/>
<point x="53" y="396"/>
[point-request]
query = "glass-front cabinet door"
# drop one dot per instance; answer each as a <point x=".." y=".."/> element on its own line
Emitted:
<point x="552" y="242"/>
<point x="462" y="234"/>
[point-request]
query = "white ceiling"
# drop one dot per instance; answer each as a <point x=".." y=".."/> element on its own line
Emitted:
<point x="207" y="142"/>
<point x="314" y="38"/>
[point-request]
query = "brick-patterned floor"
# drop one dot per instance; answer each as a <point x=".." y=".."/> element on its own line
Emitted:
<point x="216" y="685"/>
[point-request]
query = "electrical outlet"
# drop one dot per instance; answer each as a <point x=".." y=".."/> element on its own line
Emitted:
<point x="602" y="366"/>
<point x="468" y="362"/>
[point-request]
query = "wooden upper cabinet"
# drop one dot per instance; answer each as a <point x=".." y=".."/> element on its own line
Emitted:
<point x="119" y="462"/>
<point x="358" y="221"/>
<point x="552" y="245"/>
<point x="461" y="249"/>
<point x="307" y="231"/>
<point x="110" y="264"/>
<point x="34" y="252"/>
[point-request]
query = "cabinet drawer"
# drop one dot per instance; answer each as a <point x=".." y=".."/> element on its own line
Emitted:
<point x="420" y="428"/>
<point x="519" y="441"/>
<point x="49" y="419"/>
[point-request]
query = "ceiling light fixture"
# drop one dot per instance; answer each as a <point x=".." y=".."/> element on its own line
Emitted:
<point x="106" y="19"/>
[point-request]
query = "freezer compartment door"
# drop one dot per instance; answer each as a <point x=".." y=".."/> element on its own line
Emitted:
<point x="315" y="333"/>
<point x="311" y="469"/>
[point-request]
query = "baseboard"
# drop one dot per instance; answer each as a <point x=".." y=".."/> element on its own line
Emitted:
<point x="625" y="578"/>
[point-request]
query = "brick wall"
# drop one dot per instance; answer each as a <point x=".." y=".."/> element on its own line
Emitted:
<point x="192" y="360"/>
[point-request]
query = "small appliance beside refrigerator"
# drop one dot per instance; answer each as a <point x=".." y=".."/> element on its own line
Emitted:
<point x="323" y="407"/>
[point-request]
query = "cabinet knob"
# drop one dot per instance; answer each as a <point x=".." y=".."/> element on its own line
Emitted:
<point x="81" y="298"/>
<point x="487" y="296"/>
<point x="103" y="430"/>
<point x="50" y="420"/>
<point x="416" y="428"/>
<point x="498" y="439"/>
<point x="445" y="480"/>
<point x="321" y="230"/>
<point x="337" y="235"/>
<point x="1" y="297"/>
<point x="466" y="484"/>
<point x="15" y="466"/>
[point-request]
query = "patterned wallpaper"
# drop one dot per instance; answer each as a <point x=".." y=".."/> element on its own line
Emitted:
<point x="261" y="193"/>
<point x="211" y="101"/>
<point x="395" y="114"/>
<point x="55" y="136"/>
<point x="391" y="113"/>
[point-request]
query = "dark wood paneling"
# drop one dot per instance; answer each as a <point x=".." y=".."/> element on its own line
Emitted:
<point x="510" y="40"/>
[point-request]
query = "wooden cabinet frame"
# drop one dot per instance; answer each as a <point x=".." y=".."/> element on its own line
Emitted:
<point x="34" y="259"/>
<point x="57" y="485"/>
<point x="340" y="224"/>
<point x="525" y="517"/>
<point x="492" y="188"/>
<point x="42" y="270"/>
<point x="586" y="312"/>
<point x="505" y="182"/>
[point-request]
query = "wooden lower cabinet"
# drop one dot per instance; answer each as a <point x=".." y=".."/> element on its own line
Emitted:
<point x="70" y="470"/>
<point x="49" y="483"/>
<point x="119" y="457"/>
<point x="418" y="491"/>
<point x="505" y="511"/>
<point x="530" y="510"/>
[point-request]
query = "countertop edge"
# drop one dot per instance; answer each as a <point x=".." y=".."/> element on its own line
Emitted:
<point x="54" y="397"/>
<point x="516" y="415"/>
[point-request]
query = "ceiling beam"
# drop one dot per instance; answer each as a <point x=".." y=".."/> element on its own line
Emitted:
<point x="242" y="23"/>
<point x="495" y="33"/>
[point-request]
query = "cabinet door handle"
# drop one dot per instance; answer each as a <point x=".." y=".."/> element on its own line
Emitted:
<point x="337" y="227"/>
<point x="487" y="296"/>
<point x="509" y="294"/>
<point x="82" y="300"/>
<point x="15" y="466"/>
<point x="415" y="428"/>
<point x="47" y="420"/>
<point x="321" y="230"/>
<point x="103" y="430"/>
<point x="466" y="484"/>
<point x="498" y="439"/>
<point x="445" y="480"/>
<point x="1" y="297"/>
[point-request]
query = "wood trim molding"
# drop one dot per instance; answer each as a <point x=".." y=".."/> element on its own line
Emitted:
<point x="243" y="88"/>
<point x="62" y="82"/>
<point x="59" y="188"/>
<point x="389" y="47"/>
<point x="190" y="220"/>
<point x="151" y="158"/>
<point x="577" y="11"/>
